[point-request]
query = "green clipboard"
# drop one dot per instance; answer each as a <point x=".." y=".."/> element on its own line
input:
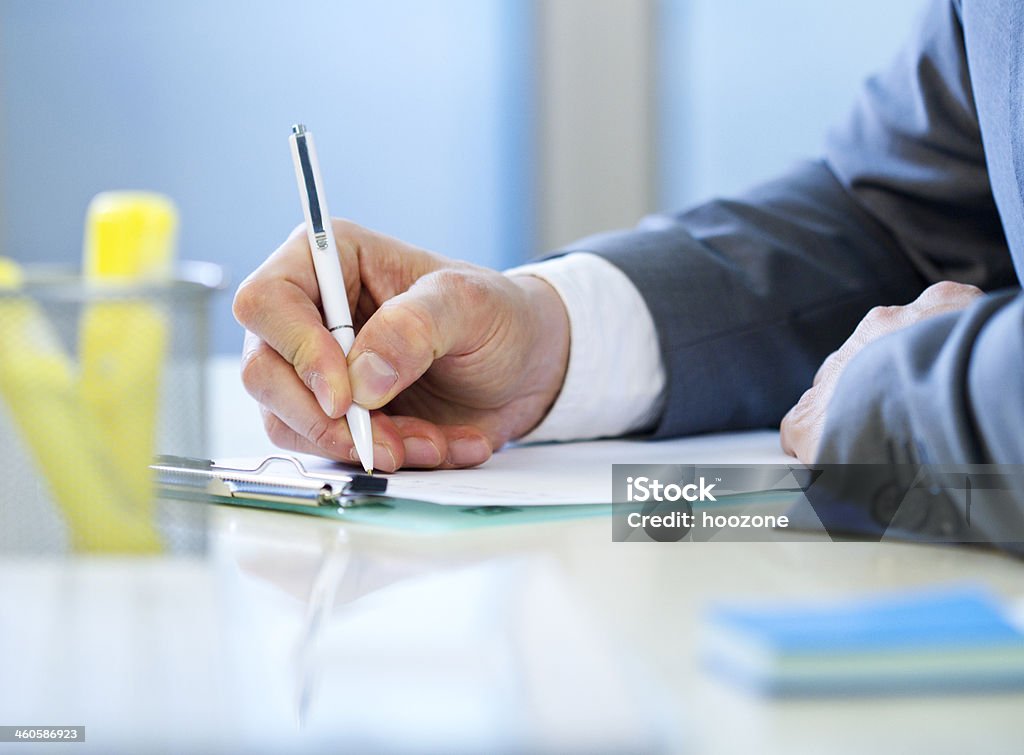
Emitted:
<point x="357" y="498"/>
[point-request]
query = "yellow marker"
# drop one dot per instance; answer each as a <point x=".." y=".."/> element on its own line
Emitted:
<point x="39" y="386"/>
<point x="130" y="237"/>
<point x="129" y="240"/>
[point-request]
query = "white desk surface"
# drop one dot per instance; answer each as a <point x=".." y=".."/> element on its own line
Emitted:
<point x="546" y="637"/>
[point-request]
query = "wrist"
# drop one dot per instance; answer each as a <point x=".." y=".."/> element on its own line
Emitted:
<point x="549" y="335"/>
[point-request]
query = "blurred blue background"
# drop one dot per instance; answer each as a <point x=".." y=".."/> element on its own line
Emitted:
<point x="426" y="113"/>
<point x="422" y="113"/>
<point x="746" y="87"/>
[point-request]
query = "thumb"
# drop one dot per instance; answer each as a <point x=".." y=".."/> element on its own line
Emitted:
<point x="442" y="313"/>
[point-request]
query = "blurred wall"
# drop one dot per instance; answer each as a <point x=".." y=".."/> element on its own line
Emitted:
<point x="425" y="113"/>
<point x="648" y="104"/>
<point x="596" y="146"/>
<point x="422" y="111"/>
<point x="748" y="87"/>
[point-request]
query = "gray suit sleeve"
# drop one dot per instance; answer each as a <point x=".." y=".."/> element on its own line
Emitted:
<point x="750" y="294"/>
<point x="949" y="390"/>
<point x="917" y="412"/>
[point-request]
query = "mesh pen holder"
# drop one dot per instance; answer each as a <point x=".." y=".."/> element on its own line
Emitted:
<point x="94" y="381"/>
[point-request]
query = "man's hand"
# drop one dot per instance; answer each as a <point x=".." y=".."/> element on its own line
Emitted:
<point x="804" y="423"/>
<point x="459" y="358"/>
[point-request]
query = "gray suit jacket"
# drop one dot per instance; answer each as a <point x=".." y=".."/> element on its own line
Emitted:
<point x="922" y="183"/>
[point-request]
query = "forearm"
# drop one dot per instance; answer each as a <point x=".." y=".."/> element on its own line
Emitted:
<point x="749" y="295"/>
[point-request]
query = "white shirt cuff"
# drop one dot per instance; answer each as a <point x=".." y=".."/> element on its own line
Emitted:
<point x="615" y="381"/>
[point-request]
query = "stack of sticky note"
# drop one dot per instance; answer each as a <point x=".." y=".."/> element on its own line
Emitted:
<point x="957" y="639"/>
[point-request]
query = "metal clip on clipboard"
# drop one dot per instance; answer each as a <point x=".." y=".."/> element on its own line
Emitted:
<point x="256" y="487"/>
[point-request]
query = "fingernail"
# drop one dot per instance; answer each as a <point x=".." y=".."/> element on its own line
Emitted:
<point x="421" y="452"/>
<point x="468" y="451"/>
<point x="383" y="458"/>
<point x="323" y="392"/>
<point x="371" y="378"/>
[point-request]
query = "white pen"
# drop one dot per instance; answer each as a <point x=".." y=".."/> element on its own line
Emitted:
<point x="337" y="316"/>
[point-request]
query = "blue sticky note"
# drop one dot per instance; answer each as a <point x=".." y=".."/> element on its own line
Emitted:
<point x="950" y="640"/>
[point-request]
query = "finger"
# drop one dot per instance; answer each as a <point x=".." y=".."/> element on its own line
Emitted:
<point x="274" y="384"/>
<point x="276" y="304"/>
<point x="467" y="446"/>
<point x="282" y="436"/>
<point x="387" y="445"/>
<point x="424" y="443"/>
<point x="444" y="312"/>
<point x="447" y="446"/>
<point x="293" y="260"/>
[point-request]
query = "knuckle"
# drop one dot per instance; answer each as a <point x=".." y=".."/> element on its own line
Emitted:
<point x="351" y="238"/>
<point x="409" y="327"/>
<point x="877" y="320"/>
<point x="477" y="291"/>
<point x="346" y="228"/>
<point x="468" y="287"/>
<point x="879" y="313"/>
<point x="248" y="301"/>
<point x="945" y="290"/>
<point x="447" y="280"/>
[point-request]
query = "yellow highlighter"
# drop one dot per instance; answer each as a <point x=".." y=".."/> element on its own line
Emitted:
<point x="40" y="388"/>
<point x="129" y="241"/>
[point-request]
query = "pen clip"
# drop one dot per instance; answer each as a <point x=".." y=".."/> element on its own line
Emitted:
<point x="309" y="181"/>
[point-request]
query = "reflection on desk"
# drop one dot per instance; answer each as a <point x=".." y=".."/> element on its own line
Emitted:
<point x="299" y="632"/>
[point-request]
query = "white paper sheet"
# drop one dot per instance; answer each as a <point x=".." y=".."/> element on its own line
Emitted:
<point x="561" y="473"/>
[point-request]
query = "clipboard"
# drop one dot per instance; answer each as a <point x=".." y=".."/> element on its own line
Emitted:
<point x="356" y="498"/>
<point x="260" y="487"/>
